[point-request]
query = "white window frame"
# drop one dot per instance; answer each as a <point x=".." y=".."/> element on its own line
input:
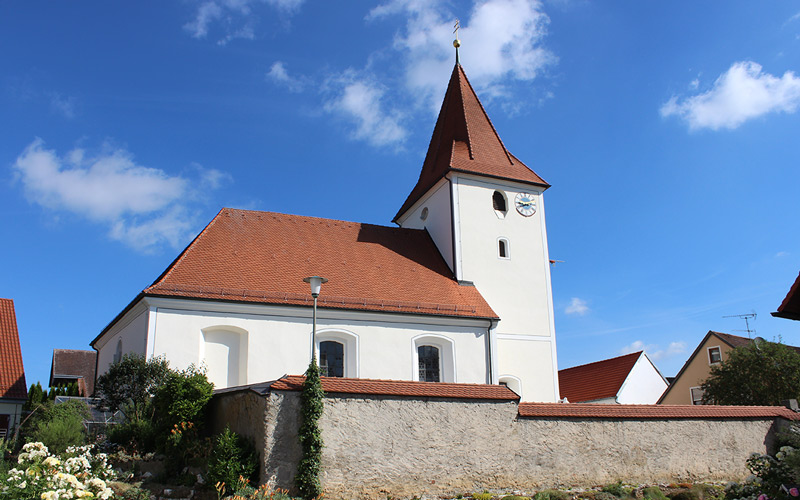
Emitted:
<point x="508" y="248"/>
<point x="447" y="356"/>
<point x="350" y="342"/>
<point x="500" y="213"/>
<point x="708" y="350"/>
<point x="691" y="395"/>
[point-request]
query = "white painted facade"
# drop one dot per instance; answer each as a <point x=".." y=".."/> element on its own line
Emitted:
<point x="250" y="343"/>
<point x="460" y="217"/>
<point x="644" y="384"/>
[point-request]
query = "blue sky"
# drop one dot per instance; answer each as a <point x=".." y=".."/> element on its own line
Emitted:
<point x="668" y="130"/>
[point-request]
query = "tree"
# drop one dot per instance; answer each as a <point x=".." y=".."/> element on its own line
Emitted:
<point x="129" y="384"/>
<point x="311" y="406"/>
<point x="761" y="373"/>
<point x="182" y="397"/>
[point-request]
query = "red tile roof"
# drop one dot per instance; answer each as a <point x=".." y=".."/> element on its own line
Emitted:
<point x="464" y="140"/>
<point x="635" y="412"/>
<point x="598" y="380"/>
<point x="249" y="256"/>
<point x="74" y="365"/>
<point x="790" y="307"/>
<point x="401" y="388"/>
<point x="12" y="373"/>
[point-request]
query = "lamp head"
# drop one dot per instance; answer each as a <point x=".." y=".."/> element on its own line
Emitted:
<point x="316" y="283"/>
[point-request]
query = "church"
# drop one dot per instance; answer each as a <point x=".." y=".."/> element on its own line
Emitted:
<point x="458" y="293"/>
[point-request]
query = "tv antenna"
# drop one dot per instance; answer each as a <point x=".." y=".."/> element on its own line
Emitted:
<point x="746" y="317"/>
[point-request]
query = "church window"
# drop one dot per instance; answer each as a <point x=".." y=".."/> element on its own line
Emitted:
<point x="428" y="363"/>
<point x="512" y="382"/>
<point x="331" y="359"/>
<point x="337" y="353"/>
<point x="499" y="204"/>
<point x="503" y="249"/>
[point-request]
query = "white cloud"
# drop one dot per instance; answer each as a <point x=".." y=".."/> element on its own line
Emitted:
<point x="741" y="93"/>
<point x="501" y="43"/>
<point x="235" y="16"/>
<point x="143" y="207"/>
<point x="577" y="306"/>
<point x="360" y="101"/>
<point x="781" y="254"/>
<point x="62" y="104"/>
<point x="278" y="74"/>
<point x="654" y="351"/>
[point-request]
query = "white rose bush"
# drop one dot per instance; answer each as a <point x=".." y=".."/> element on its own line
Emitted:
<point x="78" y="473"/>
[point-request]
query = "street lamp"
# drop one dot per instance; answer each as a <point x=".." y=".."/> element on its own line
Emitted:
<point x="316" y="283"/>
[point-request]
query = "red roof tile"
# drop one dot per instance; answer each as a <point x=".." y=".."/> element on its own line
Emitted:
<point x="790" y="307"/>
<point x="262" y="257"/>
<point x="635" y="412"/>
<point x="12" y="372"/>
<point x="401" y="388"/>
<point x="464" y="140"/>
<point x="598" y="380"/>
<point x="74" y="365"/>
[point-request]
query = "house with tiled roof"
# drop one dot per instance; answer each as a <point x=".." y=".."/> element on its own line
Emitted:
<point x="74" y="366"/>
<point x="628" y="379"/>
<point x="13" y="390"/>
<point x="458" y="293"/>
<point x="790" y="307"/>
<point x="712" y="350"/>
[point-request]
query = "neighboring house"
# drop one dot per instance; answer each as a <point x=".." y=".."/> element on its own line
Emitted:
<point x="628" y="379"/>
<point x="460" y="292"/>
<point x="72" y="365"/>
<point x="713" y="349"/>
<point x="790" y="307"/>
<point x="13" y="389"/>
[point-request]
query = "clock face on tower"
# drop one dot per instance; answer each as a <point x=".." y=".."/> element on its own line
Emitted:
<point x="525" y="203"/>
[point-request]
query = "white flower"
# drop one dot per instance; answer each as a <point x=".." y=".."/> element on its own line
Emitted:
<point x="22" y="485"/>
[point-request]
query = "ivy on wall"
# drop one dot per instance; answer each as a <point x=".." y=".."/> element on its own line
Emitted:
<point x="311" y="406"/>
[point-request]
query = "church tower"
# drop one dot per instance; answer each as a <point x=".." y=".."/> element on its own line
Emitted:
<point x="484" y="210"/>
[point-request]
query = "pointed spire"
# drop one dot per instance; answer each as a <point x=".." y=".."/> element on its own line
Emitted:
<point x="464" y="140"/>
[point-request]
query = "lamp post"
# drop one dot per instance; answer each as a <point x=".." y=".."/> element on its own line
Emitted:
<point x="316" y="283"/>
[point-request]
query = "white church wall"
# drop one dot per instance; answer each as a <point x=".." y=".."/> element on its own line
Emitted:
<point x="531" y="361"/>
<point x="644" y="384"/>
<point x="516" y="287"/>
<point x="278" y="341"/>
<point x="129" y="333"/>
<point x="438" y="221"/>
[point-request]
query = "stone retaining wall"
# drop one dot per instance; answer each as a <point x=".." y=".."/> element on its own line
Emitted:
<point x="390" y="446"/>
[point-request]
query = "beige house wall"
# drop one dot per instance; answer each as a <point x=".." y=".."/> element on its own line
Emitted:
<point x="696" y="372"/>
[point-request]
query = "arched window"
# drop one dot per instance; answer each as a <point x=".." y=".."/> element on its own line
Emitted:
<point x="499" y="202"/>
<point x="512" y="382"/>
<point x="224" y="353"/>
<point x="331" y="358"/>
<point x="503" y="250"/>
<point x="434" y="358"/>
<point x="429" y="363"/>
<point x="337" y="352"/>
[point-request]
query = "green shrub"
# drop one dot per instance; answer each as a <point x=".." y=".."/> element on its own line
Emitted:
<point x="482" y="496"/>
<point x="515" y="497"/>
<point x="552" y="495"/>
<point x="603" y="495"/>
<point x="182" y="397"/>
<point x="136" y="436"/>
<point x="653" y="493"/>
<point x="618" y="490"/>
<point x="59" y="426"/>
<point x="684" y="495"/>
<point x="311" y="406"/>
<point x="708" y="491"/>
<point x="232" y="457"/>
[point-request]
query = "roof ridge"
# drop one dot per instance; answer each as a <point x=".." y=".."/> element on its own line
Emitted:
<point x="630" y="354"/>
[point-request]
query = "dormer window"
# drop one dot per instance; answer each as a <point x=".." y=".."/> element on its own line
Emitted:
<point x="500" y="204"/>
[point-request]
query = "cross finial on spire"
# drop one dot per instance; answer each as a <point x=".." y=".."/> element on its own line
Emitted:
<point x="456" y="42"/>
